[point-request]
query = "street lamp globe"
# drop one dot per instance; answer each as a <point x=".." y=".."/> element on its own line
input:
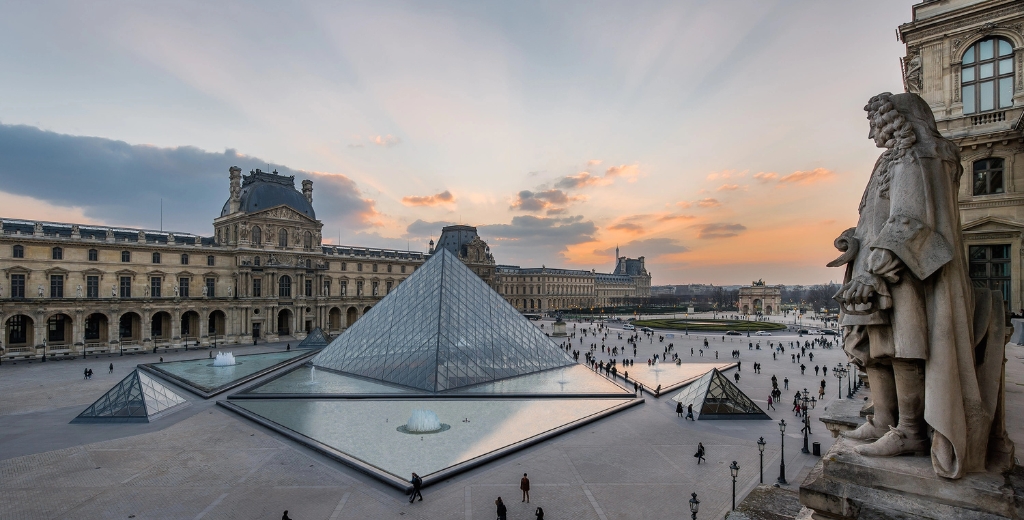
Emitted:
<point x="782" y="426"/>
<point x="694" y="503"/>
<point x="761" y="444"/>
<point x="734" y="469"/>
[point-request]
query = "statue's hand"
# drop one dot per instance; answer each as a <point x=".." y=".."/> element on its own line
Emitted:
<point x="885" y="264"/>
<point x="858" y="291"/>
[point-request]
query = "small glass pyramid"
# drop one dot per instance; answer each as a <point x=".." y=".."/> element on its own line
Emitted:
<point x="137" y="398"/>
<point x="315" y="339"/>
<point x="442" y="328"/>
<point x="713" y="396"/>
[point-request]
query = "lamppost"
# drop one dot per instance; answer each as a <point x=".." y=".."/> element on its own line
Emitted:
<point x="805" y="428"/>
<point x="849" y="379"/>
<point x="734" y="469"/>
<point x="760" y="448"/>
<point x="694" y="506"/>
<point x="782" y="460"/>
<point x="838" y="371"/>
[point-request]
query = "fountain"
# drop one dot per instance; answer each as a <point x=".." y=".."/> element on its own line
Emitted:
<point x="561" y="377"/>
<point x="312" y="375"/>
<point x="423" y="421"/>
<point x="224" y="359"/>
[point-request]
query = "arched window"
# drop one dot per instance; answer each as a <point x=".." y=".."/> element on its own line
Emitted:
<point x="282" y="238"/>
<point x="285" y="287"/>
<point x="184" y="259"/>
<point x="19" y="252"/>
<point x="988" y="176"/>
<point x="57" y="254"/>
<point x="257" y="236"/>
<point x="126" y="256"/>
<point x="156" y="258"/>
<point x="986" y="76"/>
<point x="307" y="240"/>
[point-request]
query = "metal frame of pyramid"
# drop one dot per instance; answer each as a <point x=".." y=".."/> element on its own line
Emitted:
<point x="136" y="398"/>
<point x="442" y="328"/>
<point x="315" y="339"/>
<point x="713" y="396"/>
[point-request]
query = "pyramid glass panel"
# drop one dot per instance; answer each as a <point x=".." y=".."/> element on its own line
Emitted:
<point x="137" y="397"/>
<point x="315" y="339"/>
<point x="442" y="328"/>
<point x="713" y="396"/>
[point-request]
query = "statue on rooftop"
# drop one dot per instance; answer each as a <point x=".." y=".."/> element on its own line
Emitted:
<point x="932" y="345"/>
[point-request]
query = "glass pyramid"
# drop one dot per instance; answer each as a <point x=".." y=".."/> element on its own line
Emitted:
<point x="316" y="339"/>
<point x="713" y="396"/>
<point x="137" y="398"/>
<point x="442" y="328"/>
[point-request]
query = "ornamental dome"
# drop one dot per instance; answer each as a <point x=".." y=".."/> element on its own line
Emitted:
<point x="261" y="190"/>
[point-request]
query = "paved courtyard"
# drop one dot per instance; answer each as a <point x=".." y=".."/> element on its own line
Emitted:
<point x="206" y="463"/>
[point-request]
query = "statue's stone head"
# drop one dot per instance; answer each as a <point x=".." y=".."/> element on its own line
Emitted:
<point x="894" y="118"/>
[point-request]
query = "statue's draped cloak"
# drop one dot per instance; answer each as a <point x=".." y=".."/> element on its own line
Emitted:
<point x="911" y="210"/>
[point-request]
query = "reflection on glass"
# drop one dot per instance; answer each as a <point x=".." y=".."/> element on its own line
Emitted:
<point x="969" y="99"/>
<point x="986" y="70"/>
<point x="1005" y="49"/>
<point x="979" y="271"/>
<point x="985" y="50"/>
<point x="1000" y="251"/>
<point x="1005" y="66"/>
<point x="968" y="74"/>
<point x="1005" y="92"/>
<point x="969" y="56"/>
<point x="987" y="95"/>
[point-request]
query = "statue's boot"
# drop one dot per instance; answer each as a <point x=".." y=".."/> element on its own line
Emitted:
<point x="883" y="388"/>
<point x="908" y="436"/>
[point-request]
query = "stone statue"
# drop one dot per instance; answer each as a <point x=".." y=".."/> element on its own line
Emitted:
<point x="229" y="291"/>
<point x="40" y="291"/>
<point x="175" y="291"/>
<point x="932" y="345"/>
<point x="145" y="291"/>
<point x="78" y="291"/>
<point x="1" y="291"/>
<point x="204" y="291"/>
<point x="243" y="232"/>
<point x="113" y="291"/>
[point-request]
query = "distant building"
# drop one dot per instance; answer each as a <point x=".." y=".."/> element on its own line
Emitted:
<point x="542" y="289"/>
<point x="759" y="298"/>
<point x="966" y="59"/>
<point x="70" y="289"/>
<point x="466" y="245"/>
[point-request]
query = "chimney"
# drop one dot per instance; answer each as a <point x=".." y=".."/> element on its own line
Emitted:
<point x="307" y="190"/>
<point x="235" y="174"/>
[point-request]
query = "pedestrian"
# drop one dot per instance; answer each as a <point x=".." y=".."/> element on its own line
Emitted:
<point x="689" y="412"/>
<point x="802" y="368"/>
<point x="111" y="369"/>
<point x="85" y="374"/>
<point x="285" y="515"/>
<point x="417" y="483"/>
<point x="736" y="376"/>
<point x="700" y="453"/>
<point x="770" y="402"/>
<point x="161" y="360"/>
<point x="815" y="370"/>
<point x="502" y="510"/>
<point x="539" y="514"/>
<point x="524" y="485"/>
<point x="288" y="346"/>
<point x="785" y="382"/>
<point x="679" y="409"/>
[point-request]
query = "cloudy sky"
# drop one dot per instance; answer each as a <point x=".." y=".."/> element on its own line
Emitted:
<point x="723" y="140"/>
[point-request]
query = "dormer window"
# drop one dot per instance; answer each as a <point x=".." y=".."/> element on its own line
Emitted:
<point x="986" y="76"/>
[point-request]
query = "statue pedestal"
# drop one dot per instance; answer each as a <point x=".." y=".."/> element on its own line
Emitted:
<point x="558" y="329"/>
<point x="846" y="485"/>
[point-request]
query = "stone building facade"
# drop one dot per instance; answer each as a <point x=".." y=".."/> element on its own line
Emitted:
<point x="464" y="242"/>
<point x="760" y="298"/>
<point x="966" y="59"/>
<point x="543" y="289"/>
<point x="71" y="289"/>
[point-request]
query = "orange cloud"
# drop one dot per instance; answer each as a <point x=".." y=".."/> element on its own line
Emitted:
<point x="581" y="180"/>
<point x="552" y="201"/>
<point x="628" y="227"/>
<point x="766" y="176"/>
<point x="804" y="178"/>
<point x="729" y="187"/>
<point x="438" y="199"/>
<point x="708" y="203"/>
<point x="727" y="174"/>
<point x="593" y="162"/>
<point x="623" y="170"/>
<point x="671" y="218"/>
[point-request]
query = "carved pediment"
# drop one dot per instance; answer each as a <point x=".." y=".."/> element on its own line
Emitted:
<point x="282" y="212"/>
<point x="992" y="225"/>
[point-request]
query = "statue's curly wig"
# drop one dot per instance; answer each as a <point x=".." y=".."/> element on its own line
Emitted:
<point x="895" y="131"/>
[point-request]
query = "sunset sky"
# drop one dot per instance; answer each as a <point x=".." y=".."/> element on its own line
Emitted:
<point x="724" y="140"/>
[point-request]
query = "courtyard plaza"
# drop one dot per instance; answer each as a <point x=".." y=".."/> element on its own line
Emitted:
<point x="206" y="463"/>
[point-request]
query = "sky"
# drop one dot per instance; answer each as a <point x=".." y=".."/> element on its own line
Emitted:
<point x="725" y="141"/>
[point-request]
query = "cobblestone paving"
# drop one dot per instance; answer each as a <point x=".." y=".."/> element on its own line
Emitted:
<point x="205" y="463"/>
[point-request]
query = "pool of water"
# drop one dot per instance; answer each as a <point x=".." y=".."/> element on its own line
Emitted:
<point x="367" y="429"/>
<point x="201" y="373"/>
<point x="303" y="381"/>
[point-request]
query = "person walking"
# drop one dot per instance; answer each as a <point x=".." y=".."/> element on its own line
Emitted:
<point x="111" y="369"/>
<point x="689" y="412"/>
<point x="770" y="401"/>
<point x="524" y="485"/>
<point x="85" y="374"/>
<point x="502" y="510"/>
<point x="417" y="483"/>
<point x="285" y="515"/>
<point x="700" y="453"/>
<point x="539" y="514"/>
<point x="786" y="383"/>
<point x="679" y="409"/>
